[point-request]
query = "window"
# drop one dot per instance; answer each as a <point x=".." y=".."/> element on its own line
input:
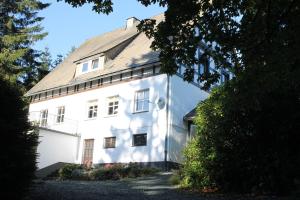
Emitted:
<point x="95" y="63"/>
<point x="60" y="114"/>
<point x="142" y="100"/>
<point x="139" y="140"/>
<point x="43" y="117"/>
<point x="92" y="109"/>
<point x="113" y="105"/>
<point x="110" y="142"/>
<point x="84" y="67"/>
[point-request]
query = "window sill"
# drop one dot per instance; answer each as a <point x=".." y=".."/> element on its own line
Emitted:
<point x="90" y="119"/>
<point x="137" y="112"/>
<point x="138" y="145"/>
<point x="107" y="116"/>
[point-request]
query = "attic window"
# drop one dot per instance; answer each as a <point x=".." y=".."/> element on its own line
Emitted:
<point x="84" y="67"/>
<point x="95" y="63"/>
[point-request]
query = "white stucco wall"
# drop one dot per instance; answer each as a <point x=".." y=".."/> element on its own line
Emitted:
<point x="123" y="125"/>
<point x="56" y="147"/>
<point x="183" y="98"/>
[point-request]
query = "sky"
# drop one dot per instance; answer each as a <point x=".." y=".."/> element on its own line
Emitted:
<point x="68" y="26"/>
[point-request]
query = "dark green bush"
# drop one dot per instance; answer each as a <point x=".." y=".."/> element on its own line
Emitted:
<point x="66" y="171"/>
<point x="248" y="136"/>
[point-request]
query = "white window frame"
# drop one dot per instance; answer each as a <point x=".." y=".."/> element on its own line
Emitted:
<point x="92" y="109"/>
<point x="43" y="118"/>
<point x="143" y="100"/>
<point x="60" y="117"/>
<point x="113" y="103"/>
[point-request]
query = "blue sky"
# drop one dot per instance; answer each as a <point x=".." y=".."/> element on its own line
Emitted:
<point x="68" y="26"/>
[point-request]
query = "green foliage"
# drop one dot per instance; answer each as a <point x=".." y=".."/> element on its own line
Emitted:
<point x="247" y="134"/>
<point x="66" y="171"/>
<point x="111" y="172"/>
<point x="236" y="34"/>
<point x="19" y="30"/>
<point x="175" y="179"/>
<point x="17" y="145"/>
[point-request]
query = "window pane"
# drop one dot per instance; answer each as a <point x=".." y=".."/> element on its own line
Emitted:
<point x="95" y="63"/>
<point x="146" y="94"/>
<point x="84" y="67"/>
<point x="140" y="140"/>
<point x="146" y="105"/>
<point x="140" y="95"/>
<point x="110" y="142"/>
<point x="110" y="110"/>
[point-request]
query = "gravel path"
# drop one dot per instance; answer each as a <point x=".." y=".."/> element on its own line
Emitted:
<point x="151" y="187"/>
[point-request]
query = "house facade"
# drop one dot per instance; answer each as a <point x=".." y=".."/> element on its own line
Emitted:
<point x="107" y="102"/>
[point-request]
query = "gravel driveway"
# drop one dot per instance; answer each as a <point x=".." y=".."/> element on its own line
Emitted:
<point x="151" y="187"/>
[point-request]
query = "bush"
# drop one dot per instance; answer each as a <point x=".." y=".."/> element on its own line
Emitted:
<point x="247" y="136"/>
<point x="66" y="171"/>
<point x="107" y="172"/>
<point x="18" y="143"/>
<point x="175" y="178"/>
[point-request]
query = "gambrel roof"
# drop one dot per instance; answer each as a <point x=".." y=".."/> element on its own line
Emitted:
<point x="125" y="48"/>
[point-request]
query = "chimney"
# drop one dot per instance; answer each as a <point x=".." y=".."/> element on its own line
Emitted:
<point x="131" y="22"/>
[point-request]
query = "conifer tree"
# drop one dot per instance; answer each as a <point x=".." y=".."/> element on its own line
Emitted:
<point x="19" y="30"/>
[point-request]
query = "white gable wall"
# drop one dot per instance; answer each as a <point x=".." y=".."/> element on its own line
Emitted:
<point x="183" y="98"/>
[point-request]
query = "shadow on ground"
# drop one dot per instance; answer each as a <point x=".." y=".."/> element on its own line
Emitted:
<point x="150" y="187"/>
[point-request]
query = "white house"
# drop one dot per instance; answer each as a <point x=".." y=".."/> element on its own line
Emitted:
<point x="107" y="102"/>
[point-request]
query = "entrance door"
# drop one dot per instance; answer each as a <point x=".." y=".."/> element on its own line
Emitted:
<point x="88" y="152"/>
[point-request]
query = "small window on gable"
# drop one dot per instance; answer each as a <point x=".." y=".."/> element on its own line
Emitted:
<point x="95" y="63"/>
<point x="84" y="67"/>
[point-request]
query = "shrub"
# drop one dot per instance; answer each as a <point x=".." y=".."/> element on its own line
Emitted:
<point x="175" y="178"/>
<point x="80" y="174"/>
<point x="66" y="171"/>
<point x="247" y="137"/>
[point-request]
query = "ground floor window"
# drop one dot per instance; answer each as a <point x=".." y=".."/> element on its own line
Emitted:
<point x="109" y="142"/>
<point x="139" y="139"/>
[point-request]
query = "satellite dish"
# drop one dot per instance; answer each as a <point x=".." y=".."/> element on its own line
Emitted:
<point x="161" y="102"/>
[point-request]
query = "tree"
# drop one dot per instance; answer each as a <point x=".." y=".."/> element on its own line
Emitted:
<point x="73" y="48"/>
<point x="18" y="143"/>
<point x="58" y="60"/>
<point x="19" y="30"/>
<point x="236" y="34"/>
<point x="41" y="66"/>
<point x="246" y="141"/>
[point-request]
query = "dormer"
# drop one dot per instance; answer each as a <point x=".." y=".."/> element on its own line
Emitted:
<point x="90" y="64"/>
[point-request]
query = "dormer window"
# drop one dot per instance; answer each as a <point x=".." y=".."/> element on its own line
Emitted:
<point x="95" y="63"/>
<point x="85" y="67"/>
